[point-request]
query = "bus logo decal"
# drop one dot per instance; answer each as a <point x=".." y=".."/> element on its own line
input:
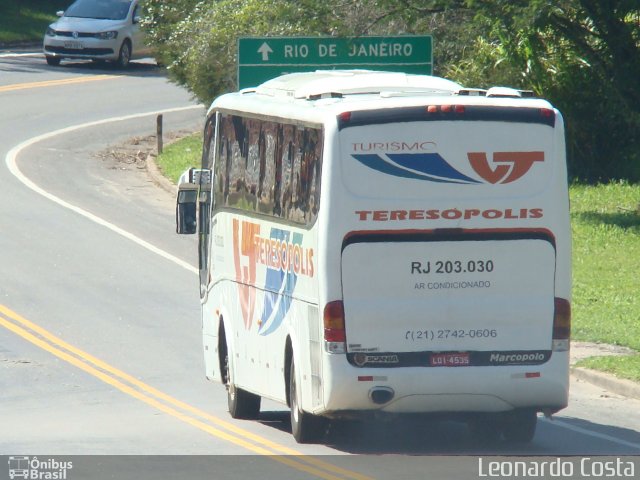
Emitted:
<point x="420" y="166"/>
<point x="507" y="166"/>
<point x="285" y="260"/>
<point x="244" y="257"/>
<point x="280" y="283"/>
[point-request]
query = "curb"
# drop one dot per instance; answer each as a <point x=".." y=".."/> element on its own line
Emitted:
<point x="156" y="176"/>
<point x="616" y="385"/>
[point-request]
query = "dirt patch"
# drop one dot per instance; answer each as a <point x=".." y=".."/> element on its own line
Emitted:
<point x="132" y="154"/>
<point x="582" y="350"/>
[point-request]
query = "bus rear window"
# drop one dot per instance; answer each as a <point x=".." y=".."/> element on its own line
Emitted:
<point x="447" y="158"/>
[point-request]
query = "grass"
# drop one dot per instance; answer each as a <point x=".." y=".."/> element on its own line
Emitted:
<point x="27" y="20"/>
<point x="624" y="367"/>
<point x="179" y="156"/>
<point x="606" y="272"/>
<point x="606" y="261"/>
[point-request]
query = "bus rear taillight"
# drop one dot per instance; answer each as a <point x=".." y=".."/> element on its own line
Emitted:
<point x="334" y="331"/>
<point x="345" y="117"/>
<point x="547" y="112"/>
<point x="561" y="324"/>
<point x="445" y="109"/>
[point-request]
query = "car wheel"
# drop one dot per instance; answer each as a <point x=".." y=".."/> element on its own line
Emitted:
<point x="305" y="427"/>
<point x="53" y="61"/>
<point x="125" y="55"/>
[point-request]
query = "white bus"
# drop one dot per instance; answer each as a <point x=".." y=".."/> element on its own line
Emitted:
<point x="377" y="244"/>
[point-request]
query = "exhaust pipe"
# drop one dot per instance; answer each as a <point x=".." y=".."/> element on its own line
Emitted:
<point x="381" y="395"/>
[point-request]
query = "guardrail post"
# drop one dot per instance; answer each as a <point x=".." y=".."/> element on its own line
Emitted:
<point x="159" y="133"/>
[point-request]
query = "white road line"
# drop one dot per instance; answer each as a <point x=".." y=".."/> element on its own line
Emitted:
<point x="602" y="436"/>
<point x="12" y="165"/>
<point x="33" y="54"/>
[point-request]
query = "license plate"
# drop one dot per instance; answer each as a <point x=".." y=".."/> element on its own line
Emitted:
<point x="74" y="45"/>
<point x="449" y="359"/>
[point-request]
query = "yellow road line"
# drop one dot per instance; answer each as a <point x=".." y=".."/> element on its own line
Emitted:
<point x="85" y="357"/>
<point x="160" y="406"/>
<point x="53" y="83"/>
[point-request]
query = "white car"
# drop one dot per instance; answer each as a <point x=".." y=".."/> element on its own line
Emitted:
<point x="99" y="30"/>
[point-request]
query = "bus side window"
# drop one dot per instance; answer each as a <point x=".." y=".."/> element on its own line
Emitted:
<point x="268" y="167"/>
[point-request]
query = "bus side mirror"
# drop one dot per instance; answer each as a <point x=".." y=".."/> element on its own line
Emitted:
<point x="190" y="183"/>
<point x="186" y="220"/>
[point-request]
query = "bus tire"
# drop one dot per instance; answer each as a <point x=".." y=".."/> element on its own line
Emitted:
<point x="242" y="404"/>
<point x="520" y="426"/>
<point x="485" y="429"/>
<point x="305" y="427"/>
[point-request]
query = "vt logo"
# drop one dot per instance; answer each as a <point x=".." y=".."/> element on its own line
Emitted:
<point x="508" y="166"/>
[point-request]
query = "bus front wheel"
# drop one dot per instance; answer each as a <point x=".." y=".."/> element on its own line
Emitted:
<point x="242" y="404"/>
<point x="305" y="427"/>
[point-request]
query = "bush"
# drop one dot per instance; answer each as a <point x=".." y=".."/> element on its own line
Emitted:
<point x="583" y="55"/>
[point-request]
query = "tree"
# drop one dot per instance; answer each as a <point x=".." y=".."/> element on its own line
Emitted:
<point x="584" y="55"/>
<point x="197" y="39"/>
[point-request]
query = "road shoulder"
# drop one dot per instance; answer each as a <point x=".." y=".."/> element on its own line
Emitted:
<point x="619" y="386"/>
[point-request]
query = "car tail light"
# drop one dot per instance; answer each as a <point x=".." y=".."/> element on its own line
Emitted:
<point x="334" y="327"/>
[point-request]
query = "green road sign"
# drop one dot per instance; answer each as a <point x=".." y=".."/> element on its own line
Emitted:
<point x="260" y="59"/>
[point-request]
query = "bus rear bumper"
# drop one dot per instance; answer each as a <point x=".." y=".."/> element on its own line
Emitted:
<point x="447" y="389"/>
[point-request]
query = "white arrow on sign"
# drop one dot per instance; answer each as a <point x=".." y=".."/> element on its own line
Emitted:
<point x="265" y="50"/>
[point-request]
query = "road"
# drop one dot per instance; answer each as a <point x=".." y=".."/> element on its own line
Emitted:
<point x="100" y="345"/>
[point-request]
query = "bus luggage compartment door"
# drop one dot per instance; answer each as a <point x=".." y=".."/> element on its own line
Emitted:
<point x="468" y="295"/>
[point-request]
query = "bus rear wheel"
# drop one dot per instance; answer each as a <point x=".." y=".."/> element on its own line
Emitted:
<point x="520" y="426"/>
<point x="486" y="429"/>
<point x="242" y="404"/>
<point x="305" y="427"/>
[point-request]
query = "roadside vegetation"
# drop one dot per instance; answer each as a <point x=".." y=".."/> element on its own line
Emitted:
<point x="606" y="272"/>
<point x="583" y="55"/>
<point x="179" y="156"/>
<point x="25" y="21"/>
